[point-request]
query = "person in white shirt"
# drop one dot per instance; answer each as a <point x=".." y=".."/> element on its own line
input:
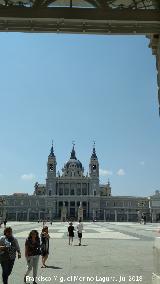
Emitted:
<point x="79" y="231"/>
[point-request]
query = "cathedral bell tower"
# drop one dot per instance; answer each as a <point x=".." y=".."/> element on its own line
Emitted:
<point x="94" y="172"/>
<point x="51" y="173"/>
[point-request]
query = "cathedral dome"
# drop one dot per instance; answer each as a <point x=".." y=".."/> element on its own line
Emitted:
<point x="74" y="163"/>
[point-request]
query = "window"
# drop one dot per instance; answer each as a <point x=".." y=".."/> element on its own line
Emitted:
<point x="60" y="203"/>
<point x="66" y="191"/>
<point x="78" y="191"/>
<point x="72" y="191"/>
<point x="84" y="191"/>
<point x="51" y="167"/>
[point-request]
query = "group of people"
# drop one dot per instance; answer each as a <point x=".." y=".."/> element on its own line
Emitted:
<point x="71" y="230"/>
<point x="35" y="246"/>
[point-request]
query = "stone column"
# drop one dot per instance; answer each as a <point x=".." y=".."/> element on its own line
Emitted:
<point x="16" y="215"/>
<point x="39" y="214"/>
<point x="104" y="215"/>
<point x="76" y="208"/>
<point x="155" y="45"/>
<point x="69" y="207"/>
<point x="154" y="216"/>
<point x="80" y="212"/>
<point x="63" y="189"/>
<point x="86" y="209"/>
<point x="4" y="213"/>
<point x="93" y="214"/>
<point x="27" y="214"/>
<point x="115" y="215"/>
<point x="63" y="213"/>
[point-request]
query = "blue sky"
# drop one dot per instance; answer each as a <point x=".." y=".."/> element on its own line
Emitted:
<point x="82" y="88"/>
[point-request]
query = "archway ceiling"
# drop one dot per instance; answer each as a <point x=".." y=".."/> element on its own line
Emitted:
<point x="133" y="4"/>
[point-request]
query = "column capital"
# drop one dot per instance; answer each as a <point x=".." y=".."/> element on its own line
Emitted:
<point x="154" y="43"/>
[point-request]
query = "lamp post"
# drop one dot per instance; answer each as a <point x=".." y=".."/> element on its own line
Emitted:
<point x="150" y="209"/>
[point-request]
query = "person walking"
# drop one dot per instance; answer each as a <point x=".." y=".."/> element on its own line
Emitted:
<point x="79" y="231"/>
<point x="71" y="233"/>
<point x="32" y="253"/>
<point x="5" y="223"/>
<point x="44" y="246"/>
<point x="8" y="248"/>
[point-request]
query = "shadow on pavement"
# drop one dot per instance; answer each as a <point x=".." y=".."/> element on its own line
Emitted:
<point x="53" y="267"/>
<point x="80" y="246"/>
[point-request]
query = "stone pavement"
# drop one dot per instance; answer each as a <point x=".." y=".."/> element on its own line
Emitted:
<point x="110" y="253"/>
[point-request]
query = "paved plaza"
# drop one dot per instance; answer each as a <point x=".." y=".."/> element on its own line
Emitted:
<point x="110" y="253"/>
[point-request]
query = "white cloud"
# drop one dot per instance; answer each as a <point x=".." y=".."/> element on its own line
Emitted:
<point x="27" y="176"/>
<point x="121" y="172"/>
<point x="105" y="172"/>
<point x="141" y="163"/>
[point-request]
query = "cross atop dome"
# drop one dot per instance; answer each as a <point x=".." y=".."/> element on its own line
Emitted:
<point x="73" y="153"/>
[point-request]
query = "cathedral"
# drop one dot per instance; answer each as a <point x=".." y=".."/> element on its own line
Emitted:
<point x="72" y="187"/>
<point x="71" y="191"/>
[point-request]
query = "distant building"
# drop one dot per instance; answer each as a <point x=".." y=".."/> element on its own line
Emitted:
<point x="72" y="188"/>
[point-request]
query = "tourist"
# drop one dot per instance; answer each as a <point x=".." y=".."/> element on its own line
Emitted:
<point x="79" y="231"/>
<point x="44" y="246"/>
<point x="5" y="223"/>
<point x="8" y="248"/>
<point x="32" y="253"/>
<point x="70" y="233"/>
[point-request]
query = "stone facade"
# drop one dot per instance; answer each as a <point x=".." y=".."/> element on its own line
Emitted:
<point x="154" y="206"/>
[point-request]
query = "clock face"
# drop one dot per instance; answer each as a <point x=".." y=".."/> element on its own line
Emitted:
<point x="94" y="167"/>
<point x="51" y="167"/>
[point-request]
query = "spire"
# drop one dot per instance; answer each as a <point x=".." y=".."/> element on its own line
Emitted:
<point x="94" y="156"/>
<point x="73" y="153"/>
<point x="52" y="151"/>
